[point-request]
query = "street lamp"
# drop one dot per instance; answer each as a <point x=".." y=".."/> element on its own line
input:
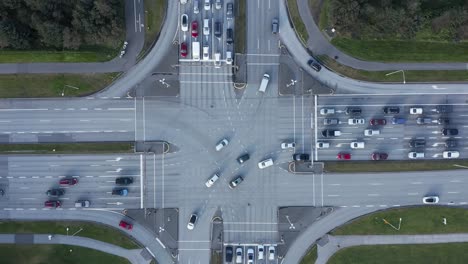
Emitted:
<point x="67" y="230"/>
<point x="404" y="80"/>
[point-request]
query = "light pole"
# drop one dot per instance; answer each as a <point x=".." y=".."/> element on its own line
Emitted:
<point x="404" y="80"/>
<point x="73" y="87"/>
<point x="291" y="224"/>
<point x="67" y="230"/>
<point x="293" y="82"/>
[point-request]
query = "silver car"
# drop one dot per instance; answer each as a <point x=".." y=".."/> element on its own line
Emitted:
<point x="229" y="11"/>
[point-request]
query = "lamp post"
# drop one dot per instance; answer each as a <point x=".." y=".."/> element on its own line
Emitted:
<point x="404" y="80"/>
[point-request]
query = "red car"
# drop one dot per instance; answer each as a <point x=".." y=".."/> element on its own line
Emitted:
<point x="343" y="156"/>
<point x="183" y="49"/>
<point x="195" y="29"/>
<point x="379" y="156"/>
<point x="125" y="225"/>
<point x="378" y="122"/>
<point x="52" y="204"/>
<point x="69" y="181"/>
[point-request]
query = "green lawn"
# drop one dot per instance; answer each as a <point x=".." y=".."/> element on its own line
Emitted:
<point x="67" y="148"/>
<point x="415" y="220"/>
<point x="91" y="55"/>
<point x="323" y="22"/>
<point x="301" y="30"/>
<point x="451" y="253"/>
<point x="53" y="85"/>
<point x="311" y="256"/>
<point x="155" y="11"/>
<point x="380" y="76"/>
<point x="241" y="27"/>
<point x="55" y="254"/>
<point x="403" y="51"/>
<point x="383" y="166"/>
<point x="95" y="231"/>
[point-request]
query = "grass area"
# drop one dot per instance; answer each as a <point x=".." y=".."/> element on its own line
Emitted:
<point x="311" y="256"/>
<point x="67" y="148"/>
<point x="415" y="220"/>
<point x="380" y="76"/>
<point x="299" y="26"/>
<point x="397" y="165"/>
<point x="154" y="14"/>
<point x="97" y="54"/>
<point x="56" y="254"/>
<point x="323" y="21"/>
<point x="240" y="32"/>
<point x="91" y="230"/>
<point x="403" y="51"/>
<point x="216" y="257"/>
<point x="52" y="85"/>
<point x="449" y="253"/>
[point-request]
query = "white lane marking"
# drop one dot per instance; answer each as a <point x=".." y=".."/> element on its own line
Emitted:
<point x="335" y="184"/>
<point x="416" y="183"/>
<point x="333" y="195"/>
<point x="23" y="109"/>
<point x="373" y="194"/>
<point x="453" y="192"/>
<point x="121" y="109"/>
<point x="413" y="193"/>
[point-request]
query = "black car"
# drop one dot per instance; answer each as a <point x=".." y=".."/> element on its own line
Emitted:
<point x="55" y="192"/>
<point x="299" y="157"/>
<point x="124" y="181"/>
<point x="120" y="191"/>
<point x="218" y="29"/>
<point x="331" y="133"/>
<point x="449" y="131"/>
<point x="417" y="143"/>
<point x="444" y="109"/>
<point x="443" y="121"/>
<point x="391" y="110"/>
<point x="353" y="111"/>
<point x="229" y="253"/>
<point x="243" y="158"/>
<point x="229" y="36"/>
<point x="314" y="65"/>
<point x="451" y="143"/>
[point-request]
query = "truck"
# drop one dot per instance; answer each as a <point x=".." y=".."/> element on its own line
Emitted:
<point x="196" y="51"/>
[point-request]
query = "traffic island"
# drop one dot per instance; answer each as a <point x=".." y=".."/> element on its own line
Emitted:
<point x="156" y="147"/>
<point x="307" y="167"/>
<point x="216" y="237"/>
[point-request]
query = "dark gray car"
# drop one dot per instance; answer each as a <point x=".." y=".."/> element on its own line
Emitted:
<point x="330" y="121"/>
<point x="243" y="158"/>
<point x="229" y="36"/>
<point x="218" y="29"/>
<point x="417" y="143"/>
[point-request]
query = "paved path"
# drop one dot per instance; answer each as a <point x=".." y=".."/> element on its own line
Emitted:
<point x="336" y="243"/>
<point x="134" y="256"/>
<point x="319" y="45"/>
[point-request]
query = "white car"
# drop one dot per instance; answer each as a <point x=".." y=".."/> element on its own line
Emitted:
<point x="206" y="52"/>
<point x="219" y="4"/>
<point x="192" y="221"/>
<point x="207" y="5"/>
<point x="271" y="253"/>
<point x="357" y="145"/>
<point x="415" y="110"/>
<point x="212" y="180"/>
<point x="224" y="142"/>
<point x="431" y="199"/>
<point x="265" y="163"/>
<point x="288" y="145"/>
<point x="450" y="154"/>
<point x="184" y="22"/>
<point x="250" y="256"/>
<point x="416" y="155"/>
<point x="183" y="1"/>
<point x="371" y="132"/>
<point x="327" y="111"/>
<point x="206" y="27"/>
<point x="239" y="255"/>
<point x="356" y="121"/>
<point x="322" y="145"/>
<point x="260" y="252"/>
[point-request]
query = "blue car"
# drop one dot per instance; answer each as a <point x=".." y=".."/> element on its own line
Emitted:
<point x="398" y="121"/>
<point x="120" y="191"/>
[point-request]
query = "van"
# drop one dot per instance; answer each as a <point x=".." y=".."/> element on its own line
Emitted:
<point x="264" y="83"/>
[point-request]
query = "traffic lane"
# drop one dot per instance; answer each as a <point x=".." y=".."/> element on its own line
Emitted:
<point x="394" y="100"/>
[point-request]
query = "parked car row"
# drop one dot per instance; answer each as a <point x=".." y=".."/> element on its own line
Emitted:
<point x="252" y="253"/>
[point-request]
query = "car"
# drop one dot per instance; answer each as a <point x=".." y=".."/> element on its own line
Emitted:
<point x="218" y="4"/>
<point x="206" y="27"/>
<point x="229" y="253"/>
<point x="184" y="22"/>
<point x="371" y="132"/>
<point x="183" y="1"/>
<point x="443" y="109"/>
<point x="271" y="253"/>
<point x="431" y="199"/>
<point x="356" y="121"/>
<point x="398" y="121"/>
<point x="301" y="157"/>
<point x="196" y="7"/>
<point x="327" y="111"/>
<point x="450" y="154"/>
<point x="212" y="180"/>
<point x="194" y="29"/>
<point x="353" y="111"/>
<point x="357" y="145"/>
<point x="52" y="204"/>
<point x="82" y="204"/>
<point x="450" y="143"/>
<point x="229" y="57"/>
<point x="229" y="36"/>
<point x="260" y="252"/>
<point x="443" y="121"/>
<point x="314" y="64"/>
<point x="415" y="111"/>
<point x="235" y="182"/>
<point x="391" y="110"/>
<point x="124" y="180"/>
<point x="120" y="191"/>
<point x="322" y="145"/>
<point x="288" y="145"/>
<point x="218" y="29"/>
<point x="416" y="155"/>
<point x="192" y="221"/>
<point x="229" y="10"/>
<point x="331" y="133"/>
<point x="417" y="143"/>
<point x="207" y="5"/>
<point x="55" y="192"/>
<point x="343" y="156"/>
<point x="125" y="225"/>
<point x="265" y="163"/>
<point x="239" y="255"/>
<point x="183" y="49"/>
<point x="449" y="131"/>
<point x="379" y="156"/>
<point x="274" y="26"/>
<point x="224" y="142"/>
<point x="206" y="52"/>
<point x="68" y="181"/>
<point x="250" y="256"/>
<point x="330" y="121"/>
<point x="424" y="120"/>
<point x="378" y="122"/>
<point x="243" y="158"/>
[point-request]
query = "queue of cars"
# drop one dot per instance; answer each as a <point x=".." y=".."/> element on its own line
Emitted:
<point x="56" y="193"/>
<point x="258" y="252"/>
